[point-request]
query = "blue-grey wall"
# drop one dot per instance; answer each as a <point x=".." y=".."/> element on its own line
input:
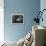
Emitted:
<point x="13" y="32"/>
<point x="43" y="6"/>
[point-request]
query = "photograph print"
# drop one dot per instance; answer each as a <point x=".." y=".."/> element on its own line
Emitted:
<point x="17" y="19"/>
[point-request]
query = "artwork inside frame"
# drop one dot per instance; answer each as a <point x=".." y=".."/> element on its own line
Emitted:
<point x="18" y="18"/>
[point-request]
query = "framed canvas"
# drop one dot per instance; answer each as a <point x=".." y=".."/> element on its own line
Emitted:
<point x="18" y="18"/>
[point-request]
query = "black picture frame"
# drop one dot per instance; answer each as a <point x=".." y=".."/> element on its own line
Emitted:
<point x="17" y="18"/>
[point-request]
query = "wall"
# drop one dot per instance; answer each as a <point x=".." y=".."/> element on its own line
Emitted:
<point x="1" y="21"/>
<point x="13" y="32"/>
<point x="43" y="6"/>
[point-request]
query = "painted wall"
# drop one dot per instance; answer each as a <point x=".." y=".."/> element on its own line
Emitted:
<point x="1" y="21"/>
<point x="13" y="32"/>
<point x="43" y="6"/>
